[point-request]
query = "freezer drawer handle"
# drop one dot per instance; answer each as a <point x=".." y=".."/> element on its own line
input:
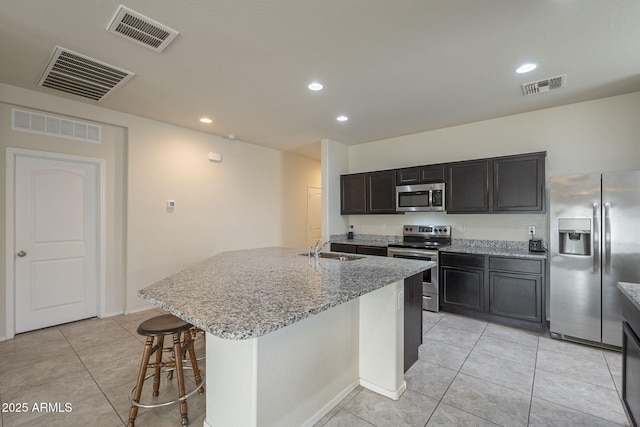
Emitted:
<point x="596" y="238"/>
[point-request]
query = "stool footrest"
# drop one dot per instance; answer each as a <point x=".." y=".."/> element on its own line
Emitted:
<point x="171" y="402"/>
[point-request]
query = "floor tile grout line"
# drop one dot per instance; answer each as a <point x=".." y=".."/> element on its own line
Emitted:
<point x="579" y="411"/>
<point x="454" y="378"/>
<point x="533" y="383"/>
<point x="93" y="378"/>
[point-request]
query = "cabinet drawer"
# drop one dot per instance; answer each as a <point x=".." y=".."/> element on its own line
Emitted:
<point x="461" y="260"/>
<point x="521" y="265"/>
<point x="343" y="247"/>
<point x="371" y="250"/>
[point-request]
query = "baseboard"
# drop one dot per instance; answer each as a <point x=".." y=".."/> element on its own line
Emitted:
<point x="330" y="405"/>
<point x="391" y="394"/>
<point x="3" y="338"/>
<point x="114" y="313"/>
<point x="139" y="309"/>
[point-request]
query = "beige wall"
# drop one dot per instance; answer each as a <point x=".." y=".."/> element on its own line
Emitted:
<point x="255" y="197"/>
<point x="595" y="136"/>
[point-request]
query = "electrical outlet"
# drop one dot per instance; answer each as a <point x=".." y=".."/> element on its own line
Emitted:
<point x="532" y="229"/>
<point x="463" y="228"/>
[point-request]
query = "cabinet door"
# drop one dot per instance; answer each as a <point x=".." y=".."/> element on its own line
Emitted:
<point x="468" y="187"/>
<point x="343" y="247"/>
<point x="353" y="194"/>
<point x="408" y="176"/>
<point x="518" y="296"/>
<point x="371" y="250"/>
<point x="463" y="288"/>
<point x="631" y="373"/>
<point x="412" y="319"/>
<point x="381" y="192"/>
<point x="518" y="184"/>
<point x="432" y="173"/>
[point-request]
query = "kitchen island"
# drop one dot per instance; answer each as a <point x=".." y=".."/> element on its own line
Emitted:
<point x="289" y="336"/>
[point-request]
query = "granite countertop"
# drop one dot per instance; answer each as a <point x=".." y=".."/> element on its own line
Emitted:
<point x="367" y="240"/>
<point x="249" y="293"/>
<point x="631" y="291"/>
<point x="470" y="246"/>
<point x="493" y="247"/>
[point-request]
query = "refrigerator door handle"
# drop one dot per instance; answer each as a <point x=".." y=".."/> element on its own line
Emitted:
<point x="607" y="237"/>
<point x="596" y="237"/>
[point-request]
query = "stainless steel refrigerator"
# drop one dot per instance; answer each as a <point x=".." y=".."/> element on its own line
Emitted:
<point x="594" y="243"/>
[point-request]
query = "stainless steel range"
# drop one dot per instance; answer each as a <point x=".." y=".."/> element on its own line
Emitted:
<point x="422" y="242"/>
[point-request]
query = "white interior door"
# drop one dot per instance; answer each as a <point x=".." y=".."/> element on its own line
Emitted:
<point x="314" y="215"/>
<point x="56" y="241"/>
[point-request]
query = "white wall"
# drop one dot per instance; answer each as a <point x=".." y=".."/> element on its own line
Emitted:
<point x="255" y="197"/>
<point x="595" y="136"/>
<point x="335" y="162"/>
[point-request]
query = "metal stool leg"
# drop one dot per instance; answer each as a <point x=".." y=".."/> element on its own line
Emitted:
<point x="133" y="412"/>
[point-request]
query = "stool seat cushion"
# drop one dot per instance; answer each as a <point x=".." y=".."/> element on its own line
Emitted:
<point x="164" y="324"/>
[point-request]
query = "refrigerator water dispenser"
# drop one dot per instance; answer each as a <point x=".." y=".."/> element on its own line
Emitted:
<point x="575" y="236"/>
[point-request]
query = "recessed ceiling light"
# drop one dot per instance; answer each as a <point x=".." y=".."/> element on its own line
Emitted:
<point x="206" y="120"/>
<point x="525" y="68"/>
<point x="342" y="118"/>
<point x="315" y="86"/>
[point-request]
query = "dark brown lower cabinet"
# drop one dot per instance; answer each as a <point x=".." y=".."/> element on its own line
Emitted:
<point x="504" y="289"/>
<point x="631" y="362"/>
<point x="412" y="319"/>
<point x="462" y="281"/>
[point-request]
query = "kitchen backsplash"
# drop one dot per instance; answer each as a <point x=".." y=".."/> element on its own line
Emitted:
<point x="509" y="227"/>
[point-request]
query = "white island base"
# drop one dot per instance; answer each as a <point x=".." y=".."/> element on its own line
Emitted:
<point x="295" y="375"/>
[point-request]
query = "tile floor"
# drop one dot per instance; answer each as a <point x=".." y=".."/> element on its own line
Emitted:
<point x="470" y="373"/>
<point x="93" y="365"/>
<point x="475" y="373"/>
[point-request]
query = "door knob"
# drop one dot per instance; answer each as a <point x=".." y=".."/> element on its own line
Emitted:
<point x="22" y="253"/>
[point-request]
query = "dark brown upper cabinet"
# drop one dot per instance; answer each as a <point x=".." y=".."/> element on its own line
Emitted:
<point x="381" y="192"/>
<point x="510" y="184"/>
<point x="368" y="193"/>
<point x="353" y="194"/>
<point x="468" y="187"/>
<point x="519" y="183"/>
<point x="420" y="175"/>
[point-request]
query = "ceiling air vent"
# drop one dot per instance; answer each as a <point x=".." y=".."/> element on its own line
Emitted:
<point x="80" y="75"/>
<point x="140" y="29"/>
<point x="544" y="85"/>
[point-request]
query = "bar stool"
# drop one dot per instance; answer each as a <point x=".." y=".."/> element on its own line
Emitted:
<point x="156" y="329"/>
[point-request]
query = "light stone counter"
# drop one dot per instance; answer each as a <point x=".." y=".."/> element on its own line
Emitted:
<point x="249" y="293"/>
<point x="493" y="247"/>
<point x="288" y="338"/>
<point x="631" y="291"/>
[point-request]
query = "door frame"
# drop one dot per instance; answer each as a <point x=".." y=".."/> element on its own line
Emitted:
<point x="12" y="155"/>
<point x="309" y="188"/>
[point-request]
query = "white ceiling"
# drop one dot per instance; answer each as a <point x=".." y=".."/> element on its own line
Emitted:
<point x="395" y="67"/>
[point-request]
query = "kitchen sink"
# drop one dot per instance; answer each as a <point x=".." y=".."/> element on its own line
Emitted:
<point x="336" y="256"/>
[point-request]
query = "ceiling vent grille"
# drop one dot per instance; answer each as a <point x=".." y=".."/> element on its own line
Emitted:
<point x="544" y="85"/>
<point x="140" y="29"/>
<point x="26" y="121"/>
<point x="80" y="75"/>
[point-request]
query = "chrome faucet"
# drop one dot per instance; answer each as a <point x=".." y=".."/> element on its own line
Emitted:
<point x="317" y="250"/>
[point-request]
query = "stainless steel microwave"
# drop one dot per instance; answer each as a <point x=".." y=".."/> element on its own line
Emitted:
<point x="420" y="198"/>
